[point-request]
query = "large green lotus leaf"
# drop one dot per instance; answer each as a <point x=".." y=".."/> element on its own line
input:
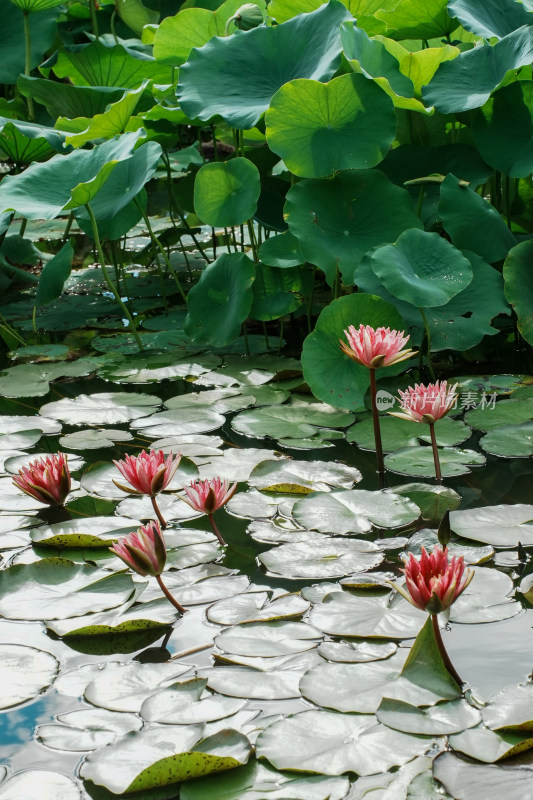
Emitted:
<point x="66" y="100"/>
<point x="95" y="64"/>
<point x="54" y="588"/>
<point x="53" y="276"/>
<point x="486" y="599"/>
<point x="43" y="30"/>
<point x="505" y="412"/>
<point x="24" y="673"/>
<point x="289" y="421"/>
<point x="361" y="616"/>
<point x="417" y="19"/>
<point x="422" y="65"/>
<point x="247" y="783"/>
<point x="408" y="162"/>
<point x="374" y="60"/>
<point x="510" y="709"/>
<point x="422" y="268"/>
<point x="324" y="557"/>
<point x="428" y="538"/>
<point x="104" y="408"/>
<point x="31" y="6"/>
<point x="488" y="746"/>
<point x="221" y="300"/>
<point x="503" y="128"/>
<point x="155" y="614"/>
<point x="472" y="222"/>
<point x="220" y="78"/>
<point x="48" y="785"/>
<point x="24" y="142"/>
<point x="318" y="129"/>
<point x="468" y="81"/>
<point x="190" y="27"/>
<point x="268" y="639"/>
<point x="492" y="17"/>
<point x="86" y="729"/>
<point x="109" y="123"/>
<point x="418" y="461"/>
<point x="331" y="375"/>
<point x="338" y="744"/>
<point x="519" y="287"/>
<point x="510" y="441"/>
<point x="397" y="433"/>
<point x="304" y="476"/>
<point x="164" y="756"/>
<point x="91" y="532"/>
<point x="255" y="607"/>
<point x="45" y="189"/>
<point x="187" y="704"/>
<point x="282" y="250"/>
<point x="444" y="718"/>
<point x="278" y="292"/>
<point x="466" y="780"/>
<point x="346" y="511"/>
<point x="500" y="526"/>
<point x="125" y="687"/>
<point x="338" y="220"/>
<point x="136" y="15"/>
<point x="226" y="192"/>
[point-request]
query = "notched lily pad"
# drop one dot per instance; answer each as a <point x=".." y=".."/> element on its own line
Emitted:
<point x="354" y="511"/>
<point x="303" y="477"/>
<point x="24" y="673"/>
<point x="321" y="558"/>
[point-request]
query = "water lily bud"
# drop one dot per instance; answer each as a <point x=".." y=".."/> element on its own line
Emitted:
<point x="248" y="16"/>
<point x="444" y="533"/>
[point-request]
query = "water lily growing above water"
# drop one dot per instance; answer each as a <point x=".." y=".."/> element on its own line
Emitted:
<point x="374" y="348"/>
<point x="208" y="496"/>
<point x="148" y="473"/>
<point x="46" y="479"/>
<point x="427" y="404"/>
<point x="144" y="552"/>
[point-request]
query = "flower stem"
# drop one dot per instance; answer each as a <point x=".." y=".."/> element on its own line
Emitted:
<point x="27" y="67"/>
<point x="442" y="650"/>
<point x="169" y="596"/>
<point x="158" y="513"/>
<point x="216" y="530"/>
<point x="435" y="452"/>
<point x="375" y="420"/>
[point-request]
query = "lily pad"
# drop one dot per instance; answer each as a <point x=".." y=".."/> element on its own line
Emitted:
<point x="510" y="441"/>
<point x="302" y="477"/>
<point x="486" y="598"/>
<point x="325" y="558"/>
<point x="91" y="439"/>
<point x="91" y="532"/>
<point x="488" y="746"/>
<point x="380" y="617"/>
<point x="188" y="703"/>
<point x="125" y="687"/>
<point x="255" y="607"/>
<point x="433" y="501"/>
<point x="268" y="639"/>
<point x="48" y="785"/>
<point x="289" y="421"/>
<point x="105" y="408"/>
<point x="398" y="433"/>
<point x="505" y="412"/>
<point x="444" y="718"/>
<point x="472" y="554"/>
<point x="510" y="709"/>
<point x="418" y="461"/>
<point x="356" y="652"/>
<point x="190" y="421"/>
<point x="148" y="616"/>
<point x="500" y="526"/>
<point x="86" y="729"/>
<point x="466" y="780"/>
<point x="24" y="673"/>
<point x="346" y="511"/>
<point x="278" y="681"/>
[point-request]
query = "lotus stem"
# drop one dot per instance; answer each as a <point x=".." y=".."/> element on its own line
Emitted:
<point x="169" y="596"/>
<point x="436" y="459"/>
<point x="27" y="63"/>
<point x="158" y="513"/>
<point x="216" y="530"/>
<point x="428" y="342"/>
<point x="442" y="650"/>
<point x="161" y="249"/>
<point x="377" y="430"/>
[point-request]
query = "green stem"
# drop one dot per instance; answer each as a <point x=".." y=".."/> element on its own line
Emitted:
<point x="111" y="286"/>
<point x="420" y="200"/>
<point x="161" y="249"/>
<point x="169" y="596"/>
<point x="428" y="340"/>
<point x="180" y="214"/>
<point x="442" y="650"/>
<point x="253" y="242"/>
<point x="309" y="308"/>
<point x="68" y="226"/>
<point x="216" y="530"/>
<point x="436" y="459"/>
<point x="27" y="64"/>
<point x="23" y="225"/>
<point x="159" y="515"/>
<point x="377" y="430"/>
<point x="280" y="342"/>
<point x="94" y="21"/>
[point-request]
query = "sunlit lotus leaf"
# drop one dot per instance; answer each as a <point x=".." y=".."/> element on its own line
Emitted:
<point x="163" y="756"/>
<point x="417" y="19"/>
<point x="105" y="408"/>
<point x="356" y="652"/>
<point x="155" y="614"/>
<point x="55" y="588"/>
<point x="190" y="421"/>
<point x="91" y="532"/>
<point x="237" y="464"/>
<point x="226" y="192"/>
<point x="505" y="412"/>
<point x="39" y="784"/>
<point x="500" y="526"/>
<point x="188" y="703"/>
<point x="96" y="64"/>
<point x="338" y="220"/>
<point x="466" y="780"/>
<point x="397" y="433"/>
<point x="302" y="477"/>
<point x="488" y="746"/>
<point x="275" y="681"/>
<point x="278" y="531"/>
<point x="486" y="599"/>
<point x="443" y="718"/>
<point x="220" y="78"/>
<point x="203" y="583"/>
<point x="494" y="18"/>
<point x="288" y="421"/>
<point x="86" y="729"/>
<point x="467" y="81"/>
<point x="346" y="511"/>
<point x="510" y="709"/>
<point x="281" y="251"/>
<point x="254" y="505"/>
<point x="256" y="607"/>
<point x="124" y="687"/>
<point x="111" y="122"/>
<point x="418" y="461"/>
<point x="325" y="557"/>
<point x="348" y="743"/>
<point x="268" y="639"/>
<point x="375" y="61"/>
<point x="24" y="673"/>
<point x="472" y="554"/>
<point x="27" y="423"/>
<point x="380" y="616"/>
<point x="247" y="783"/>
<point x="91" y="439"/>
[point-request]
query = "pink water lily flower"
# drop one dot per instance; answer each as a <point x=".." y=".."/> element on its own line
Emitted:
<point x="426" y="403"/>
<point x="46" y="479"/>
<point x="375" y="348"/>
<point x="208" y="496"/>
<point x="433" y="582"/>
<point x="147" y="473"/>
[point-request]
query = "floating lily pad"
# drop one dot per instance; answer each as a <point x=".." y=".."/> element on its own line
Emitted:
<point x="382" y="616"/>
<point x="48" y="785"/>
<point x="444" y="718"/>
<point x="278" y="681"/>
<point x="433" y="501"/>
<point x="255" y="607"/>
<point x="510" y="441"/>
<point x="354" y="511"/>
<point x="195" y="586"/>
<point x="510" y="709"/>
<point x="303" y="477"/>
<point x="466" y="780"/>
<point x="356" y="652"/>
<point x="472" y="554"/>
<point x="289" y="421"/>
<point x="488" y="746"/>
<point x="86" y="729"/>
<point x="321" y="558"/>
<point x="486" y="598"/>
<point x="237" y="464"/>
<point x="397" y="433"/>
<point x="188" y="703"/>
<point x="27" y="423"/>
<point x="158" y="613"/>
<point x="92" y="439"/>
<point x="187" y="421"/>
<point x="24" y="673"/>
<point x="418" y="461"/>
<point x="125" y="687"/>
<point x="91" y="532"/>
<point x="506" y="412"/>
<point x="268" y="639"/>
<point x="254" y="505"/>
<point x="106" y="408"/>
<point x="500" y="526"/>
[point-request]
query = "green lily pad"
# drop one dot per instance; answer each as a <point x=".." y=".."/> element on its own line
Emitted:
<point x="190" y="421"/>
<point x="302" y="477"/>
<point x="486" y="599"/>
<point x="86" y="729"/>
<point x="489" y="746"/>
<point x="472" y="554"/>
<point x="505" y="412"/>
<point x="399" y="433"/>
<point x="510" y="709"/>
<point x="277" y="681"/>
<point x="125" y="687"/>
<point x="444" y="718"/>
<point x="93" y="439"/>
<point x="470" y="781"/>
<point x="510" y="441"/>
<point x="155" y="614"/>
<point x="500" y="526"/>
<point x="361" y="616"/>
<point x="51" y="785"/>
<point x="281" y="251"/>
<point x="289" y="421"/>
<point x="356" y="652"/>
<point x="104" y="408"/>
<point x="327" y="558"/>
<point x="418" y="461"/>
<point x="433" y="501"/>
<point x="199" y="584"/>
<point x="256" y="607"/>
<point x="346" y="511"/>
<point x="277" y="638"/>
<point x="188" y="703"/>
<point x="226" y="192"/>
<point x="24" y="673"/>
<point x="91" y="532"/>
